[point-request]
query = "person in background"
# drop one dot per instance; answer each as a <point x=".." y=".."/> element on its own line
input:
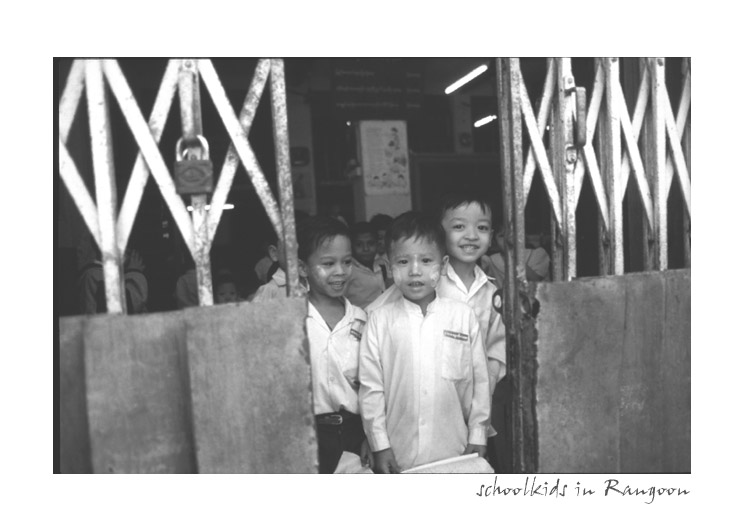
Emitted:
<point x="367" y="280"/>
<point x="536" y="261"/>
<point x="225" y="288"/>
<point x="276" y="287"/>
<point x="424" y="392"/>
<point x="380" y="223"/>
<point x="334" y="331"/>
<point x="266" y="263"/>
<point x="91" y="289"/>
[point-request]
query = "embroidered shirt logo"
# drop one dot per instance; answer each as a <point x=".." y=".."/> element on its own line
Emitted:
<point x="456" y="335"/>
<point x="356" y="329"/>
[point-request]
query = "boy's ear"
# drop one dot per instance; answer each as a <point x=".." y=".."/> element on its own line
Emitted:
<point x="445" y="260"/>
<point x="490" y="239"/>
<point x="273" y="253"/>
<point x="302" y="268"/>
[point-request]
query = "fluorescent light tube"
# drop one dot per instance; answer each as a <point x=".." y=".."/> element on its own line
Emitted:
<point x="485" y="120"/>
<point x="469" y="77"/>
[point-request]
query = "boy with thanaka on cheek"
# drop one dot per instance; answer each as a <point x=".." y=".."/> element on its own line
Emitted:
<point x="424" y="391"/>
<point x="334" y="330"/>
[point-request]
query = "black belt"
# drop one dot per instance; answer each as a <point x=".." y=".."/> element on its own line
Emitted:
<point x="335" y="419"/>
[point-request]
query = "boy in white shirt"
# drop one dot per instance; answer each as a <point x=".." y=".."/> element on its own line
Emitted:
<point x="334" y="330"/>
<point x="424" y="391"/>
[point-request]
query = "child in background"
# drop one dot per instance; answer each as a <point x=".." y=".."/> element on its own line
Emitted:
<point x="380" y="223"/>
<point x="424" y="381"/>
<point x="366" y="282"/>
<point x="276" y="287"/>
<point x="225" y="288"/>
<point x="334" y="330"/>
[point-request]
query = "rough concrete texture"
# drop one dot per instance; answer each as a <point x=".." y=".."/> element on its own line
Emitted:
<point x="215" y="389"/>
<point x="613" y="379"/>
<point x="251" y="392"/>
<point x="74" y="448"/>
<point x="138" y="394"/>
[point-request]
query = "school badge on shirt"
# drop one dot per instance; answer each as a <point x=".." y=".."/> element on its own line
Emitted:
<point x="356" y="329"/>
<point x="456" y="335"/>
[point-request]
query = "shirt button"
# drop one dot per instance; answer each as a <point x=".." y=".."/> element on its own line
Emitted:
<point x="332" y="379"/>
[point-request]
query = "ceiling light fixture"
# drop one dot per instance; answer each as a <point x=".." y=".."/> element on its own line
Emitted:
<point x="466" y="78"/>
<point x="228" y="206"/>
<point x="486" y="119"/>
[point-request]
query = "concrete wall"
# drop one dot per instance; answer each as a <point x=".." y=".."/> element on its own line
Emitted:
<point x="613" y="380"/>
<point x="218" y="389"/>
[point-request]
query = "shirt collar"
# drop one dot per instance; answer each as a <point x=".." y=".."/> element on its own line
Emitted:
<point x="280" y="277"/>
<point x="313" y="313"/>
<point x="480" y="278"/>
<point x="412" y="307"/>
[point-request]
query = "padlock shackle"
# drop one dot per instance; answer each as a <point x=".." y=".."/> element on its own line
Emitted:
<point x="200" y="140"/>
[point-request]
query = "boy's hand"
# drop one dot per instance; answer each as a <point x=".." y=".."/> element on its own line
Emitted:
<point x="366" y="454"/>
<point x="479" y="449"/>
<point x="385" y="462"/>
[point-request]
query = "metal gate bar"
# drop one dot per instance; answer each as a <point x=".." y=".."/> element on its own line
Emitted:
<point x="111" y="232"/>
<point x="664" y="152"/>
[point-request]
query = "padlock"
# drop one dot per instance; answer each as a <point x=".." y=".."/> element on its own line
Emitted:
<point x="193" y="175"/>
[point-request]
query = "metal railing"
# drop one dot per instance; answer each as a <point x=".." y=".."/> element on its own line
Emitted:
<point x="111" y="229"/>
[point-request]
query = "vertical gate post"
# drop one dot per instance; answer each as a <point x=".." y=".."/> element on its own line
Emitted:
<point x="105" y="179"/>
<point x="611" y="241"/>
<point x="524" y="457"/>
<point x="564" y="155"/>
<point x="657" y="159"/>
<point x="191" y="125"/>
<point x="686" y="146"/>
<point x="284" y="176"/>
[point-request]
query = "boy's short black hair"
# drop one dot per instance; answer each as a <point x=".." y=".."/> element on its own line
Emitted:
<point x="362" y="227"/>
<point x="416" y="225"/>
<point x="380" y="221"/>
<point x="456" y="199"/>
<point x="314" y="230"/>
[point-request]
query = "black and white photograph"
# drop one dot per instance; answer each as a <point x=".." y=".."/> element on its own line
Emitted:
<point x="286" y="267"/>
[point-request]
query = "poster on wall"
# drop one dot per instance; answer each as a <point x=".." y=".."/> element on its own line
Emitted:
<point x="384" y="151"/>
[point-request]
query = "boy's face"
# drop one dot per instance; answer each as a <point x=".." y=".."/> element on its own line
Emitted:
<point x="227" y="292"/>
<point x="469" y="232"/>
<point x="365" y="248"/>
<point x="416" y="265"/>
<point x="328" y="268"/>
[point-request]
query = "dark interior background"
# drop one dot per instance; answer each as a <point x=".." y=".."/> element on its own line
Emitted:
<point x="430" y="139"/>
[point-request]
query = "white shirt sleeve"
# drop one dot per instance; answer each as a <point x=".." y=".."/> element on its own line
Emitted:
<point x="496" y="350"/>
<point x="479" y="418"/>
<point x="371" y="389"/>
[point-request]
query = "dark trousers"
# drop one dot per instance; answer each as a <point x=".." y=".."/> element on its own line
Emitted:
<point x="334" y="439"/>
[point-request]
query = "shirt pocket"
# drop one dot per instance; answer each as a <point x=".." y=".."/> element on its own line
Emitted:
<point x="455" y="355"/>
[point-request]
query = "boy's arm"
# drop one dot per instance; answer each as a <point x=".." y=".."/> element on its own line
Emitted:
<point x="479" y="418"/>
<point x="495" y="349"/>
<point x="371" y="389"/>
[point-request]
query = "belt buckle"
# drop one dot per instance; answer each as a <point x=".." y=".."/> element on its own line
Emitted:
<point x="335" y="419"/>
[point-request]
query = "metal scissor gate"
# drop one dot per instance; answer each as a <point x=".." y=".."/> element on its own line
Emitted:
<point x="595" y="141"/>
<point x="601" y="373"/>
<point x="207" y="389"/>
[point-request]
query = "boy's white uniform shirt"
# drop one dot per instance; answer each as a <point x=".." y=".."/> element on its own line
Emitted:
<point x="276" y="288"/>
<point x="424" y="382"/>
<point x="334" y="359"/>
<point x="480" y="298"/>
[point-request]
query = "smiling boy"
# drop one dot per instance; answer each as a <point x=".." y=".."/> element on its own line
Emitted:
<point x="334" y="331"/>
<point x="424" y="392"/>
